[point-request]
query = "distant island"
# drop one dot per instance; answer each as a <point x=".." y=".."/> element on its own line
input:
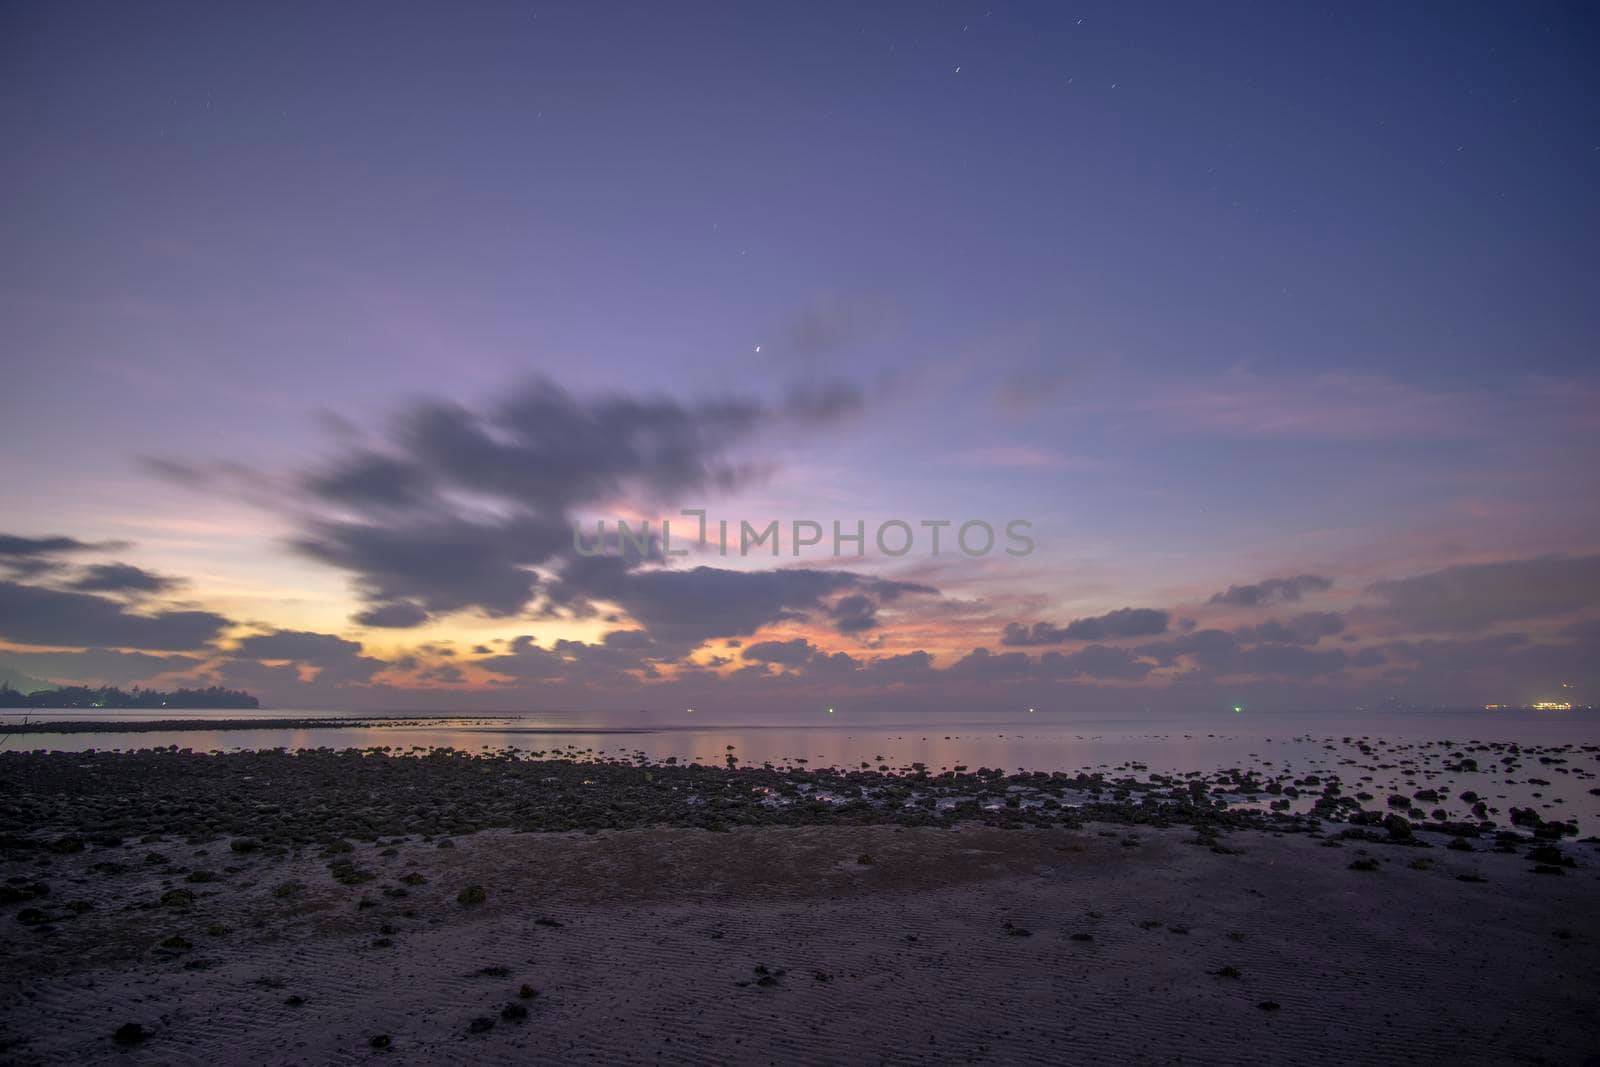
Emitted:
<point x="79" y="696"/>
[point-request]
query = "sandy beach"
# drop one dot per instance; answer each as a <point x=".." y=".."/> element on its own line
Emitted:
<point x="1154" y="935"/>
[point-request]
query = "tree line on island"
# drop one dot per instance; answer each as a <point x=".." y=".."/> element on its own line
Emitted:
<point x="109" y="696"/>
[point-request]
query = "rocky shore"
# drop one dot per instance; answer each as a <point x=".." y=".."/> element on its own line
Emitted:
<point x="320" y="906"/>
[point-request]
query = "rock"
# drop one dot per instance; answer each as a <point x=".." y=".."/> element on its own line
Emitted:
<point x="129" y="1034"/>
<point x="513" y="1013"/>
<point x="470" y="896"/>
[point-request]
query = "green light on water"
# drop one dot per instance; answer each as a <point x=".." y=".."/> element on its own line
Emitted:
<point x="1237" y="709"/>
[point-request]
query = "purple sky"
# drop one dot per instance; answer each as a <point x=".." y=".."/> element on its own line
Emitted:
<point x="325" y="321"/>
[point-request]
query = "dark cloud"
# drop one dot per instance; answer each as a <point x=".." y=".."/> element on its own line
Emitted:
<point x="526" y="660"/>
<point x="399" y="614"/>
<point x="1272" y="591"/>
<point x="1498" y="668"/>
<point x="1095" y="662"/>
<point x="690" y="606"/>
<point x="1021" y="635"/>
<point x="13" y="545"/>
<point x="99" y="666"/>
<point x="906" y="663"/>
<point x="336" y="659"/>
<point x="32" y="615"/>
<point x="622" y="656"/>
<point x="784" y="653"/>
<point x="1217" y="652"/>
<point x="395" y="515"/>
<point x="1214" y="650"/>
<point x="1124" y="622"/>
<point x="23" y="557"/>
<point x="701" y="603"/>
<point x="854" y="613"/>
<point x="369" y="479"/>
<point x="546" y="450"/>
<point x="440" y="563"/>
<point x="1305" y="629"/>
<point x="123" y="578"/>
<point x="1476" y="596"/>
<point x="1099" y="662"/>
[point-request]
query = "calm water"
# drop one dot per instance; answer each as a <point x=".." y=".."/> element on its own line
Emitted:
<point x="1401" y="759"/>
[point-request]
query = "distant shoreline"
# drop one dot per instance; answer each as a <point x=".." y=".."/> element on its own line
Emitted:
<point x="107" y="726"/>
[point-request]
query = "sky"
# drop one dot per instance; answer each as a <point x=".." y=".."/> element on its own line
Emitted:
<point x="321" y="326"/>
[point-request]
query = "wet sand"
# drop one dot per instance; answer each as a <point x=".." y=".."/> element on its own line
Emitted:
<point x="778" y="944"/>
<point x="336" y="907"/>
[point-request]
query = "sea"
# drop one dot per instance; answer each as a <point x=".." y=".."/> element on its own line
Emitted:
<point x="1547" y="760"/>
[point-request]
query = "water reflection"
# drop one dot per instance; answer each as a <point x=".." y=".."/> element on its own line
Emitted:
<point x="1270" y="744"/>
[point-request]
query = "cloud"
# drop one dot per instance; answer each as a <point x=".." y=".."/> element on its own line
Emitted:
<point x="526" y="660"/>
<point x="1305" y="629"/>
<point x="784" y="653"/>
<point x="854" y="613"/>
<point x="123" y="578"/>
<point x="905" y="664"/>
<point x="99" y="666"/>
<point x="622" y="656"/>
<point x="687" y="607"/>
<point x="1097" y="662"/>
<point x="36" y="616"/>
<point x="370" y="479"/>
<point x="12" y="545"/>
<point x="439" y="562"/>
<point x="458" y="506"/>
<point x="23" y="557"/>
<point x="1272" y="591"/>
<point x="399" y="614"/>
<point x="1124" y="622"/>
<point x="1479" y="595"/>
<point x="335" y="659"/>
